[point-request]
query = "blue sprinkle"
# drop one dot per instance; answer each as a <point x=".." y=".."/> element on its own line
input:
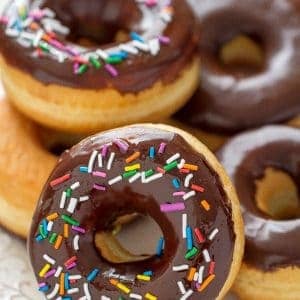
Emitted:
<point x="136" y="37"/>
<point x="44" y="288"/>
<point x="119" y="54"/>
<point x="39" y="238"/>
<point x="160" y="246"/>
<point x="176" y="183"/>
<point x="83" y="169"/>
<point x="45" y="224"/>
<point x="189" y="238"/>
<point x="151" y="152"/>
<point x="67" y="282"/>
<point x="91" y="277"/>
<point x="66" y="298"/>
<point x="148" y="273"/>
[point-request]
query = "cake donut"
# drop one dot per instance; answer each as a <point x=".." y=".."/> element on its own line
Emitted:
<point x="271" y="210"/>
<point x="105" y="63"/>
<point x="153" y="170"/>
<point x="262" y="85"/>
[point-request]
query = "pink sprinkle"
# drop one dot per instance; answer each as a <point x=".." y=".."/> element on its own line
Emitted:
<point x="179" y="206"/>
<point x="162" y="148"/>
<point x="75" y="68"/>
<point x="160" y="170"/>
<point x="181" y="193"/>
<point x="123" y="146"/>
<point x="151" y="3"/>
<point x="50" y="273"/>
<point x="78" y="229"/>
<point x="185" y="171"/>
<point x="73" y="281"/>
<point x="104" y="150"/>
<point x="99" y="174"/>
<point x="57" y="44"/>
<point x="71" y="266"/>
<point x="99" y="187"/>
<point x="42" y="284"/>
<point x="71" y="51"/>
<point x="4" y="20"/>
<point x="60" y="180"/>
<point x="111" y="70"/>
<point x="164" y="39"/>
<point x="212" y="267"/>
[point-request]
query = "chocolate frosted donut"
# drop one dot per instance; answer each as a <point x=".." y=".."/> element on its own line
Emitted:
<point x="272" y="252"/>
<point x="145" y="169"/>
<point x="229" y="100"/>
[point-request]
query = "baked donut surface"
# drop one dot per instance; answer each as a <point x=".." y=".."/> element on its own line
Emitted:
<point x="137" y="169"/>
<point x="230" y="100"/>
<point x="272" y="253"/>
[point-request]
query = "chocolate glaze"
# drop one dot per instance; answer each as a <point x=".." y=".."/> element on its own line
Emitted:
<point x="228" y="101"/>
<point x="269" y="243"/>
<point x="104" y="207"/>
<point x="97" y="20"/>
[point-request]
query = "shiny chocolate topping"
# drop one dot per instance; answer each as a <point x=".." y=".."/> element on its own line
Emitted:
<point x="229" y="101"/>
<point x="99" y="22"/>
<point x="269" y="243"/>
<point x="151" y="194"/>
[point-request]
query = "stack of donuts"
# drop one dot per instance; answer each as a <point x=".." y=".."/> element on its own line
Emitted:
<point x="86" y="152"/>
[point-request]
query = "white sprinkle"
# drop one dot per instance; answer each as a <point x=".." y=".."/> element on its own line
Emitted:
<point x="27" y="35"/>
<point x="129" y="49"/>
<point x="180" y="268"/>
<point x="72" y="205"/>
<point x="213" y="234"/>
<point x="12" y="32"/>
<point x="206" y="255"/>
<point x="154" y="46"/>
<point x="187" y="180"/>
<point x="63" y="200"/>
<point x="75" y="277"/>
<point x="187" y="295"/>
<point x="135" y="177"/>
<point x="110" y="160"/>
<point x="92" y="161"/>
<point x="100" y="160"/>
<point x="181" y="164"/>
<point x="49" y="12"/>
<point x="135" y="296"/>
<point x="181" y="287"/>
<point x="58" y="271"/>
<point x="105" y="298"/>
<point x="76" y="242"/>
<point x="49" y="259"/>
<point x="81" y="298"/>
<point x="153" y="177"/>
<point x="115" y="180"/>
<point x="102" y="54"/>
<point x="188" y="195"/>
<point x="141" y="46"/>
<point x="73" y="291"/>
<point x="50" y="225"/>
<point x="196" y="276"/>
<point x="200" y="276"/>
<point x="166" y="17"/>
<point x="86" y="291"/>
<point x="172" y="158"/>
<point x="84" y="198"/>
<point x="38" y="37"/>
<point x="54" y="292"/>
<point x="184" y="225"/>
<point x="75" y="185"/>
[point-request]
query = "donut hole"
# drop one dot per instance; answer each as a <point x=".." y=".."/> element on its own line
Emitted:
<point x="277" y="195"/>
<point x="134" y="239"/>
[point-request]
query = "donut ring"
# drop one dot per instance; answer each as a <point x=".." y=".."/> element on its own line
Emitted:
<point x="100" y="87"/>
<point x="271" y="267"/>
<point x="144" y="148"/>
<point x="228" y="102"/>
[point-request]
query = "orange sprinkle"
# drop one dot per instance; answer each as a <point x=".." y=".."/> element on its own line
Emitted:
<point x="58" y="242"/>
<point x="197" y="188"/>
<point x="205" y="205"/>
<point x="133" y="157"/>
<point x="52" y="217"/>
<point x="34" y="26"/>
<point x="191" y="274"/>
<point x="190" y="167"/>
<point x="206" y="282"/>
<point x="62" y="284"/>
<point x="47" y="38"/>
<point x="66" y="230"/>
<point x="113" y="281"/>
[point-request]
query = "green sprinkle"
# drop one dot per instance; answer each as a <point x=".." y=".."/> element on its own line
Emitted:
<point x="44" y="46"/>
<point x="69" y="192"/>
<point x="41" y="230"/>
<point x="191" y="253"/>
<point x="70" y="220"/>
<point x="82" y="69"/>
<point x="149" y="173"/>
<point x="170" y="166"/>
<point x="53" y="238"/>
<point x="129" y="174"/>
<point x="114" y="60"/>
<point x="95" y="62"/>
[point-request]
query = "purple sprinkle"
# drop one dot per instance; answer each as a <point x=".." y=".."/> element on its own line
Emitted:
<point x="71" y="266"/>
<point x="111" y="70"/>
<point x="99" y="187"/>
<point x="180" y="193"/>
<point x="164" y="40"/>
<point x="75" y="68"/>
<point x="78" y="229"/>
<point x="123" y="146"/>
<point x="99" y="174"/>
<point x="71" y="51"/>
<point x="50" y="273"/>
<point x="104" y="150"/>
<point x="172" y="207"/>
<point x="42" y="284"/>
<point x="57" y="44"/>
<point x="162" y="147"/>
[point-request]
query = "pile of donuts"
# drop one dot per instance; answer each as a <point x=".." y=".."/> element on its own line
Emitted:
<point x="183" y="111"/>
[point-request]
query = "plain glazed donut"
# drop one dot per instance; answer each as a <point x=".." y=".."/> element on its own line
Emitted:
<point x="229" y="101"/>
<point x="145" y="76"/>
<point x="271" y="267"/>
<point x="140" y="168"/>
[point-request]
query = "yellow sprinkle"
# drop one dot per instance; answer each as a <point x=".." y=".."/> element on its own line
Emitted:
<point x="150" y="297"/>
<point x="205" y="205"/>
<point x="58" y="242"/>
<point x="132" y="168"/>
<point x="66" y="231"/>
<point x="191" y="274"/>
<point x="62" y="284"/>
<point x="143" y="277"/>
<point x="132" y="157"/>
<point x="190" y="167"/>
<point x="123" y="288"/>
<point x="52" y="217"/>
<point x="44" y="270"/>
<point x="206" y="282"/>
